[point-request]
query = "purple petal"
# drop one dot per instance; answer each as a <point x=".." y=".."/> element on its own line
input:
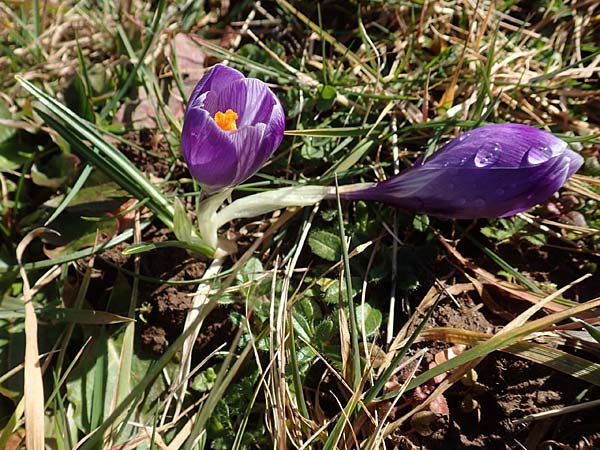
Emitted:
<point x="261" y="104"/>
<point x="498" y="145"/>
<point x="468" y="179"/>
<point x="218" y="158"/>
<point x="248" y="162"/>
<point x="275" y="128"/>
<point x="217" y="79"/>
<point x="251" y="99"/>
<point x="210" y="155"/>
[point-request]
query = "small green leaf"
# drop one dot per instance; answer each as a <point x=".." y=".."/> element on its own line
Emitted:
<point x="204" y="381"/>
<point x="78" y="232"/>
<point x="332" y="292"/>
<point x="251" y="271"/>
<point x="55" y="172"/>
<point x="327" y="92"/>
<point x="325" y="245"/>
<point x="327" y="95"/>
<point x="324" y="331"/>
<point x="182" y="227"/>
<point x="311" y="152"/>
<point x="306" y="308"/>
<point x="368" y="317"/>
<point x="301" y="326"/>
<point x="421" y="222"/>
<point x="537" y="239"/>
<point x="12" y="155"/>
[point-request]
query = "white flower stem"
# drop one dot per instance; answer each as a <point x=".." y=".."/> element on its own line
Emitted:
<point x="209" y="220"/>
<point x="199" y="301"/>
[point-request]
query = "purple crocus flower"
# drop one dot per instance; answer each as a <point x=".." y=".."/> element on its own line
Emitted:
<point x="493" y="171"/>
<point x="232" y="125"/>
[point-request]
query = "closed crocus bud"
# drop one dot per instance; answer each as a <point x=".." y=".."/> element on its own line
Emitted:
<point x="493" y="171"/>
<point x="232" y="125"/>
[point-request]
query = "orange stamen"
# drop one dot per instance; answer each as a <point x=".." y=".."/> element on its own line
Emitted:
<point x="226" y="120"/>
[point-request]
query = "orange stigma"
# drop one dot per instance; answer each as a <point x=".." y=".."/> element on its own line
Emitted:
<point x="226" y="120"/>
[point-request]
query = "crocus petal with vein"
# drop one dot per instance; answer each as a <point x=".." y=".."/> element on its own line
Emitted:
<point x="232" y="125"/>
<point x="493" y="171"/>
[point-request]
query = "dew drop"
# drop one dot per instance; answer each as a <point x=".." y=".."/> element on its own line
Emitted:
<point x="539" y="155"/>
<point x="488" y="155"/>
<point x="462" y="137"/>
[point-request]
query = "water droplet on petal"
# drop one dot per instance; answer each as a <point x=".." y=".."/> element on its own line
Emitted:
<point x="461" y="201"/>
<point x="488" y="155"/>
<point x="538" y="155"/>
<point x="463" y="160"/>
<point x="479" y="202"/>
<point x="462" y="137"/>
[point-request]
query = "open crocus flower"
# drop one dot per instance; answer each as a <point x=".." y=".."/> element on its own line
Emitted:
<point x="232" y="125"/>
<point x="493" y="171"/>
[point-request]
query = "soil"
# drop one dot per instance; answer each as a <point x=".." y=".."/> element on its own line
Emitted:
<point x="164" y="306"/>
<point x="509" y="388"/>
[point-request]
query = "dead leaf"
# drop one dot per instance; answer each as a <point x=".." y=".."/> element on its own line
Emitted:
<point x="34" y="394"/>
<point x="190" y="57"/>
<point x="439" y="405"/>
<point x="444" y="356"/>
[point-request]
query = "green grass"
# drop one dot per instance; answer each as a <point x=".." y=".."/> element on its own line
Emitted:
<point x="90" y="118"/>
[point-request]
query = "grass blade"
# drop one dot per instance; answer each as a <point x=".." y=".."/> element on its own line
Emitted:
<point x="498" y="342"/>
<point x="357" y="371"/>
